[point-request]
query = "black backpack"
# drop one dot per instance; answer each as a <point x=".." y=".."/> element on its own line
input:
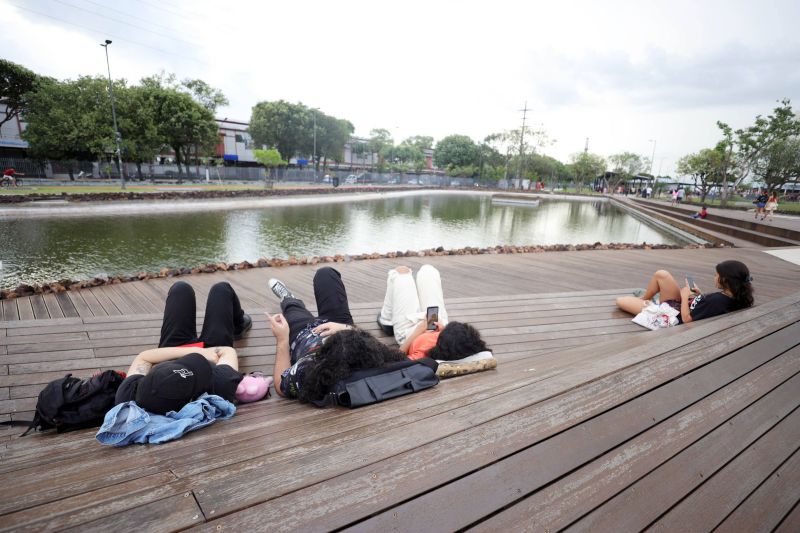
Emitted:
<point x="374" y="385"/>
<point x="72" y="403"/>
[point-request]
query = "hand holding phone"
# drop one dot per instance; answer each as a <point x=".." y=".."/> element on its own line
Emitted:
<point x="690" y="282"/>
<point x="432" y="317"/>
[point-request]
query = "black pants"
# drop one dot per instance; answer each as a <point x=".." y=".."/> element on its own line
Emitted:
<point x="223" y="316"/>
<point x="331" y="300"/>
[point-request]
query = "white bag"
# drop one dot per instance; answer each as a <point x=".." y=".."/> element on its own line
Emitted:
<point x="657" y="316"/>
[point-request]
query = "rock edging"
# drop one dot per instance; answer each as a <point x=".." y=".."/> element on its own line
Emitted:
<point x="68" y="284"/>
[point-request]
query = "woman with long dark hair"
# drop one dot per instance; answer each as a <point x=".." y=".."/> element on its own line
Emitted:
<point x="315" y="352"/>
<point x="732" y="277"/>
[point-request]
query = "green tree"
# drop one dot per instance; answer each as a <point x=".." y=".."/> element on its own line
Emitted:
<point x="70" y="120"/>
<point x="456" y="151"/>
<point x="421" y="142"/>
<point x="271" y="159"/>
<point x="625" y="166"/>
<point x="205" y="95"/>
<point x="749" y="148"/>
<point x="184" y="125"/>
<point x="586" y="166"/>
<point x="286" y="126"/>
<point x="332" y="134"/>
<point x="142" y="139"/>
<point x="779" y="164"/>
<point x="380" y="142"/>
<point x="704" y="167"/>
<point x="17" y="83"/>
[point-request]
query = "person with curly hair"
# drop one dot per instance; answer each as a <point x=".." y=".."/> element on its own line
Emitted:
<point x="315" y="352"/>
<point x="403" y="315"/>
<point x="733" y="277"/>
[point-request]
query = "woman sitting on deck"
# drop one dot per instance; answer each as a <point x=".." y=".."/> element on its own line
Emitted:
<point x="313" y="353"/>
<point x="733" y="277"/>
<point x="404" y="315"/>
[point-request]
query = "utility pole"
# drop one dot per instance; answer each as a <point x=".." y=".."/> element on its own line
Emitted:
<point x="314" y="155"/>
<point x="522" y="141"/>
<point x="117" y="136"/>
<point x="586" y="146"/>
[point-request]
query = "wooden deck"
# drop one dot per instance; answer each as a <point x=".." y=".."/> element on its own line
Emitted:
<point x="475" y="275"/>
<point x="588" y="423"/>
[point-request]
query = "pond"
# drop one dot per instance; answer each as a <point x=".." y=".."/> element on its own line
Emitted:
<point x="40" y="250"/>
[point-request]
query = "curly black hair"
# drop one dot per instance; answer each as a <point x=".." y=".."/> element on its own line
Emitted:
<point x="342" y="354"/>
<point x="735" y="277"/>
<point x="456" y="341"/>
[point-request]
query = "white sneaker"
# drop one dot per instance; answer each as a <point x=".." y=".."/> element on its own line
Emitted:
<point x="279" y="289"/>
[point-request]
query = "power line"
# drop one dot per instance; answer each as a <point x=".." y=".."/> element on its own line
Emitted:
<point x="130" y="15"/>
<point x="123" y="22"/>
<point x="105" y="32"/>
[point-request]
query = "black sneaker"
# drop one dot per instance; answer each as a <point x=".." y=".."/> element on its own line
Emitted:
<point x="247" y="323"/>
<point x="279" y="289"/>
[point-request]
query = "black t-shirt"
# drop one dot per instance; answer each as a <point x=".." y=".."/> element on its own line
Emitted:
<point x="224" y="381"/>
<point x="708" y="305"/>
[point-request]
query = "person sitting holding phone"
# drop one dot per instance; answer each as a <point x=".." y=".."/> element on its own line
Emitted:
<point x="416" y="315"/>
<point x="733" y="277"/>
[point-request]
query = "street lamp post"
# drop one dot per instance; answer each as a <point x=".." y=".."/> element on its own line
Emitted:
<point x="655" y="178"/>
<point x="117" y="136"/>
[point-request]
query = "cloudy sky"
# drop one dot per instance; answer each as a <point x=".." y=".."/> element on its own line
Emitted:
<point x="618" y="72"/>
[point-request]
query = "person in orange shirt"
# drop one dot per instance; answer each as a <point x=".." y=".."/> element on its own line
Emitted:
<point x="403" y="315"/>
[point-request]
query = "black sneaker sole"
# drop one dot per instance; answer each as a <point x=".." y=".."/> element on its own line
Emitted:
<point x="247" y="323"/>
<point x="389" y="330"/>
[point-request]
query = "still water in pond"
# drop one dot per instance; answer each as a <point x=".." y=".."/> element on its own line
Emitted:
<point x="42" y="250"/>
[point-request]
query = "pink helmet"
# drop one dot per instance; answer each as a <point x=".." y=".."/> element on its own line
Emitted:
<point x="253" y="387"/>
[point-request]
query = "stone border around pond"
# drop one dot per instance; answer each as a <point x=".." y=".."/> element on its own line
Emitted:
<point x="67" y="284"/>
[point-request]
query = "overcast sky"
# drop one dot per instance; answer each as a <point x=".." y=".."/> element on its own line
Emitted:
<point x="620" y="73"/>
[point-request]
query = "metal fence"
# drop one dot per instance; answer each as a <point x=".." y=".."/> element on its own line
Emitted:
<point x="87" y="170"/>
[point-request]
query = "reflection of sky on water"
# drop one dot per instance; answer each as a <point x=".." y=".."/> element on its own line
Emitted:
<point x="40" y="250"/>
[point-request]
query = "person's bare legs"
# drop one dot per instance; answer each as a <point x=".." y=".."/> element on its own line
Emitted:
<point x="662" y="282"/>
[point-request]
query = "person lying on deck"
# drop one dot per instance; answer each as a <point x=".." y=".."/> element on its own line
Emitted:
<point x="733" y="277"/>
<point x="314" y="353"/>
<point x="184" y="366"/>
<point x="404" y="315"/>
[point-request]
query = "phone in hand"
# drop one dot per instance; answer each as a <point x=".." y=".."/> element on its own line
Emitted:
<point x="690" y="281"/>
<point x="431" y="317"/>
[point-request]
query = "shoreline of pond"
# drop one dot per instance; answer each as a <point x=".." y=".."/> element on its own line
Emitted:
<point x="64" y="285"/>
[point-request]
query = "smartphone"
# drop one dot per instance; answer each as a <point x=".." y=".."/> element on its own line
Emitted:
<point x="690" y="281"/>
<point x="431" y="317"/>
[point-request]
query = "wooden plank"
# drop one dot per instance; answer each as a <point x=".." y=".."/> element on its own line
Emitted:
<point x="66" y="305"/>
<point x="95" y="308"/>
<point x="566" y="500"/>
<point x="25" y="309"/>
<point x="643" y="502"/>
<point x="558" y="455"/>
<point x="92" y="505"/>
<point x="39" y="307"/>
<point x="8" y="310"/>
<point x="482" y="436"/>
<point x="79" y="304"/>
<point x="774" y="499"/>
<point x="791" y="523"/>
<point x="53" y="306"/>
<point x="108" y="306"/>
<point x="170" y="514"/>
<point x="725" y="491"/>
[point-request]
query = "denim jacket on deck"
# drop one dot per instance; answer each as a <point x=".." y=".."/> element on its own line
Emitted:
<point x="127" y="423"/>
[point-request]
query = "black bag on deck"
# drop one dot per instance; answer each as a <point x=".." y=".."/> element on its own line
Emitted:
<point x="71" y="403"/>
<point x="374" y="385"/>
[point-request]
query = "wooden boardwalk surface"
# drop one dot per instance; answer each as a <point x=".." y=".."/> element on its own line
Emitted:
<point x="474" y="275"/>
<point x="588" y="423"/>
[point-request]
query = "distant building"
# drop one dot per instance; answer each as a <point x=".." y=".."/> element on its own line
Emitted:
<point x="11" y="142"/>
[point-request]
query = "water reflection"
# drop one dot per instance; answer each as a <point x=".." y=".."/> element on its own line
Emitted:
<point x="42" y="250"/>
